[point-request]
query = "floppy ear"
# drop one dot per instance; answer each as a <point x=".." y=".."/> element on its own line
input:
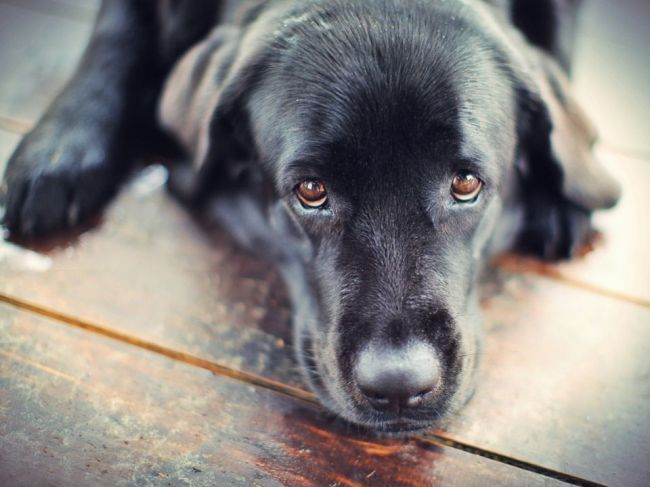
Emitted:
<point x="202" y="106"/>
<point x="556" y="138"/>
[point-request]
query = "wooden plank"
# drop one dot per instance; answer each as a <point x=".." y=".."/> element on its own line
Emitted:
<point x="39" y="52"/>
<point x="196" y="293"/>
<point x="565" y="382"/>
<point x="77" y="409"/>
<point x="618" y="265"/>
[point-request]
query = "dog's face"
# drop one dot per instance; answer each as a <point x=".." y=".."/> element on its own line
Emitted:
<point x="389" y="148"/>
<point x="385" y="136"/>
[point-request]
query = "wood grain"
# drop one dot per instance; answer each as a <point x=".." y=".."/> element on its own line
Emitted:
<point x="77" y="409"/>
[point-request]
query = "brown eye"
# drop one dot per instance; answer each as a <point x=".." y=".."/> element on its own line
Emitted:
<point x="312" y="193"/>
<point x="465" y="186"/>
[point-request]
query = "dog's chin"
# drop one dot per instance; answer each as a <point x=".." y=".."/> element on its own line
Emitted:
<point x="377" y="425"/>
<point x="371" y="423"/>
<point x="392" y="425"/>
<point x="383" y="427"/>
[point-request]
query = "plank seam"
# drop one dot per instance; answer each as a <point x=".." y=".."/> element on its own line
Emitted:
<point x="438" y="438"/>
<point x="524" y="265"/>
<point x="442" y="438"/>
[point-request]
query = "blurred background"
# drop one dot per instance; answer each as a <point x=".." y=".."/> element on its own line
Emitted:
<point x="612" y="71"/>
<point x="611" y="75"/>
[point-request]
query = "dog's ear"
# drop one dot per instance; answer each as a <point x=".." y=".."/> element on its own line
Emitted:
<point x="556" y="138"/>
<point x="203" y="107"/>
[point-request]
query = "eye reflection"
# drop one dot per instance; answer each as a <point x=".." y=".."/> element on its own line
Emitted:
<point x="312" y="193"/>
<point x="465" y="187"/>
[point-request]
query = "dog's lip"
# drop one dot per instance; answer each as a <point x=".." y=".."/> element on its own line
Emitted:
<point x="398" y="426"/>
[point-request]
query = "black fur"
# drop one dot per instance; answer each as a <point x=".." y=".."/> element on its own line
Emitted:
<point x="384" y="100"/>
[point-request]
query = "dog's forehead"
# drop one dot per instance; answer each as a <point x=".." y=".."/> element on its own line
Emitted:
<point x="353" y="85"/>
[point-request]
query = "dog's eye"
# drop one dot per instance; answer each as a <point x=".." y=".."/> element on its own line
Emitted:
<point x="465" y="186"/>
<point x="312" y="193"/>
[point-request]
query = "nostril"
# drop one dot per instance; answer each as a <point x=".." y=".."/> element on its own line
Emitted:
<point x="424" y="393"/>
<point x="383" y="403"/>
<point x="420" y="398"/>
<point x="396" y="400"/>
<point x="373" y="395"/>
<point x="376" y="399"/>
<point x="395" y="394"/>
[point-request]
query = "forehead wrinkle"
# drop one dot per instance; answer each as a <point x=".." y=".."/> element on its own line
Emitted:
<point x="325" y="116"/>
<point x="367" y="62"/>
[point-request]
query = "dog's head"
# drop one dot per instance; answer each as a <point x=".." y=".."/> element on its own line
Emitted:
<point x="387" y="139"/>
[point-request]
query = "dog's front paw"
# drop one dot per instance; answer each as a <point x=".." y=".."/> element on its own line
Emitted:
<point x="555" y="229"/>
<point x="56" y="178"/>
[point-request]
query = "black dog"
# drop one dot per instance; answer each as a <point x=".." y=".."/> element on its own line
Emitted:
<point x="377" y="150"/>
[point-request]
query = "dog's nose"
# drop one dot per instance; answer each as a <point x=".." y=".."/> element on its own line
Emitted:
<point x="398" y="379"/>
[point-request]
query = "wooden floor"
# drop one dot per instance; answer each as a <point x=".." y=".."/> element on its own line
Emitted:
<point x="152" y="351"/>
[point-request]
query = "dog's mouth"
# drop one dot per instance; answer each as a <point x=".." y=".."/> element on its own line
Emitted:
<point x="399" y="427"/>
